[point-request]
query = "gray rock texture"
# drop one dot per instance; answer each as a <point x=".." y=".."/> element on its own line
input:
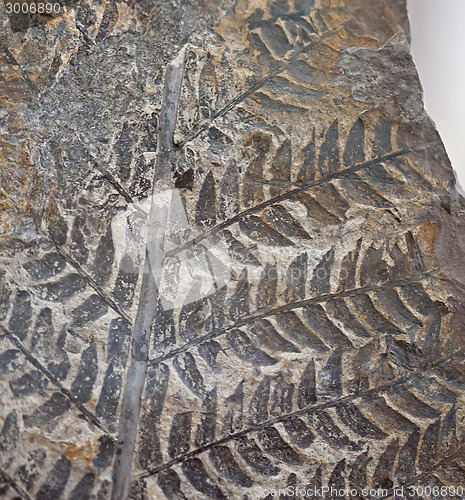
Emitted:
<point x="231" y="255"/>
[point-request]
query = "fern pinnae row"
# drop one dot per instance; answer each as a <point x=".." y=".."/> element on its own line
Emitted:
<point x="301" y="412"/>
<point x="338" y="295"/>
<point x="91" y="282"/>
<point x="256" y="86"/>
<point x="287" y="307"/>
<point x="293" y="16"/>
<point x="89" y="416"/>
<point x="285" y="196"/>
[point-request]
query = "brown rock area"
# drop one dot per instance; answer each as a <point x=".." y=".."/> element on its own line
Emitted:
<point x="231" y="255"/>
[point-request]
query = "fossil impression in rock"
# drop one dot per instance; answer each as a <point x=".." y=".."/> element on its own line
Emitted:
<point x="231" y="255"/>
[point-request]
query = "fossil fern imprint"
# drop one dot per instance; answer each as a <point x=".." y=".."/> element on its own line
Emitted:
<point x="230" y="256"/>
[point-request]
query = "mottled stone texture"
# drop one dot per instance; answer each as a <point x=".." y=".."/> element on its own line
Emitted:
<point x="295" y="130"/>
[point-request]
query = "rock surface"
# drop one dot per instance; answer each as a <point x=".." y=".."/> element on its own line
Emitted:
<point x="294" y="133"/>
